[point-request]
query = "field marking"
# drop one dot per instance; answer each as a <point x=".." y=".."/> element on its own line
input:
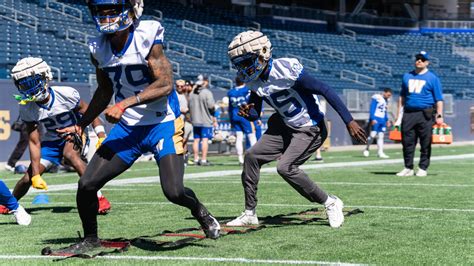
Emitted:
<point x="278" y="205"/>
<point x="210" y="181"/>
<point x="209" y="259"/>
<point x="156" y="179"/>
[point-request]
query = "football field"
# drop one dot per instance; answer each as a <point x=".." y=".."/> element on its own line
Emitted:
<point x="393" y="220"/>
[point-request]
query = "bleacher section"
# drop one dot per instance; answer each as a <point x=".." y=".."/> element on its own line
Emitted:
<point x="73" y="58"/>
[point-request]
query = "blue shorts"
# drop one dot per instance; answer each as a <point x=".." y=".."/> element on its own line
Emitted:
<point x="53" y="151"/>
<point x="381" y="126"/>
<point x="130" y="142"/>
<point x="202" y="132"/>
<point x="241" y="124"/>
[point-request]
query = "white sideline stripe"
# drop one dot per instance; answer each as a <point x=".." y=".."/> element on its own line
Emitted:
<point x="277" y="205"/>
<point x="154" y="258"/>
<point x="156" y="179"/>
<point x="338" y="183"/>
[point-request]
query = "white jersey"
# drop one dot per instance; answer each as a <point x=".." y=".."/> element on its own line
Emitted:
<point x="129" y="73"/>
<point x="378" y="108"/>
<point x="297" y="107"/>
<point x="60" y="112"/>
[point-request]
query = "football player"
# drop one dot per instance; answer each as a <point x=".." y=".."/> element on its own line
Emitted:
<point x="378" y="121"/>
<point x="238" y="96"/>
<point x="52" y="107"/>
<point x="131" y="65"/>
<point x="11" y="204"/>
<point x="294" y="132"/>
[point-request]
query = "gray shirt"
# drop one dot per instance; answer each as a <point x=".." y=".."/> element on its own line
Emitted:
<point x="200" y="106"/>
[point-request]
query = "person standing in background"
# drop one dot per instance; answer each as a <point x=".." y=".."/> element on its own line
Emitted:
<point x="421" y="98"/>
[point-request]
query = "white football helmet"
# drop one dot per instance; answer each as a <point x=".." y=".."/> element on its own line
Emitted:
<point x="111" y="16"/>
<point x="31" y="76"/>
<point x="245" y="50"/>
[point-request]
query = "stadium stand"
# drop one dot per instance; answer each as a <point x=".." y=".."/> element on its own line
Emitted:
<point x="360" y="61"/>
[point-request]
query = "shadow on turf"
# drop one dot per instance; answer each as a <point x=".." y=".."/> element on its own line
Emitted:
<point x="53" y="209"/>
<point x="391" y="173"/>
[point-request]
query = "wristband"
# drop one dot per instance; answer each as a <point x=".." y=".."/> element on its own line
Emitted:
<point x="138" y="98"/>
<point x="99" y="129"/>
<point x="119" y="106"/>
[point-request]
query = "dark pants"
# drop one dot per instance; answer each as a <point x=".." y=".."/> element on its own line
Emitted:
<point x="106" y="165"/>
<point x="19" y="148"/>
<point x="417" y="125"/>
<point x="292" y="148"/>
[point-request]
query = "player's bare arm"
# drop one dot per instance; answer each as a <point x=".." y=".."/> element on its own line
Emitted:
<point x="82" y="108"/>
<point x="34" y="144"/>
<point x="162" y="74"/>
<point x="99" y="102"/>
<point x="439" y="113"/>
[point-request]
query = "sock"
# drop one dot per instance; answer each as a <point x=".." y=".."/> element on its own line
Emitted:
<point x="380" y="142"/>
<point x="99" y="194"/>
<point x="250" y="212"/>
<point x="329" y="201"/>
<point x="239" y="143"/>
<point x="252" y="139"/>
<point x="370" y="138"/>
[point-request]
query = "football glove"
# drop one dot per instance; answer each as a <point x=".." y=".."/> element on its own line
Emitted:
<point x="38" y="182"/>
<point x="99" y="143"/>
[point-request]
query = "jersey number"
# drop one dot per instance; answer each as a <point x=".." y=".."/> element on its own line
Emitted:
<point x="284" y="101"/>
<point x="129" y="74"/>
<point x="61" y="120"/>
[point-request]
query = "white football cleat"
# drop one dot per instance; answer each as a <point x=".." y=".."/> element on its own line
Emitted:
<point x="366" y="153"/>
<point x="9" y="168"/>
<point x="246" y="218"/>
<point x="334" y="211"/>
<point x="406" y="172"/>
<point x="421" y="172"/>
<point x="21" y="216"/>
<point x="383" y="155"/>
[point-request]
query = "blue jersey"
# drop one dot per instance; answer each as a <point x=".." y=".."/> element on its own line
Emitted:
<point x="237" y="97"/>
<point x="421" y="91"/>
<point x="378" y="108"/>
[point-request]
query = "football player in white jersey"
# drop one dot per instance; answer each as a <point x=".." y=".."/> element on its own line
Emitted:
<point x="131" y="65"/>
<point x="378" y="121"/>
<point x="53" y="107"/>
<point x="294" y="132"/>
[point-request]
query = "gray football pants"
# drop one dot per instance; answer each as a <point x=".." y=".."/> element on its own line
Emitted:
<point x="291" y="147"/>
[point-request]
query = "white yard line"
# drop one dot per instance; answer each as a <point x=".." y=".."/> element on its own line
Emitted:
<point x="277" y="205"/>
<point x="207" y="259"/>
<point x="156" y="179"/>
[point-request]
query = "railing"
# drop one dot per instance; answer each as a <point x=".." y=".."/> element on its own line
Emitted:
<point x="185" y="50"/>
<point x="377" y="67"/>
<point x="197" y="28"/>
<point x="176" y="67"/>
<point x="220" y="82"/>
<point x="462" y="69"/>
<point x="357" y="78"/>
<point x="444" y="38"/>
<point x="63" y="9"/>
<point x="17" y="15"/>
<point x="77" y="36"/>
<point x="159" y="14"/>
<point x="331" y="52"/>
<point x="306" y="62"/>
<point x="92" y="84"/>
<point x="349" y="34"/>
<point x="58" y="76"/>
<point x="290" y="38"/>
<point x="384" y="45"/>
<point x="451" y="24"/>
<point x="352" y="99"/>
<point x="255" y="26"/>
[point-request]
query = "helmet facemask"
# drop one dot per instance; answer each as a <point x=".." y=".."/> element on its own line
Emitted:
<point x="112" y="18"/>
<point x="32" y="89"/>
<point x="249" y="66"/>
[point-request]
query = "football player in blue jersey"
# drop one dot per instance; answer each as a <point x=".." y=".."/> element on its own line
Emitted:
<point x="294" y="132"/>
<point x="52" y="107"/>
<point x="131" y="65"/>
<point x="238" y="96"/>
<point x="378" y="121"/>
<point x="10" y="203"/>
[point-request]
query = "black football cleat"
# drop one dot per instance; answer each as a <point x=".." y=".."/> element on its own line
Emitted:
<point x="84" y="246"/>
<point x="209" y="224"/>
